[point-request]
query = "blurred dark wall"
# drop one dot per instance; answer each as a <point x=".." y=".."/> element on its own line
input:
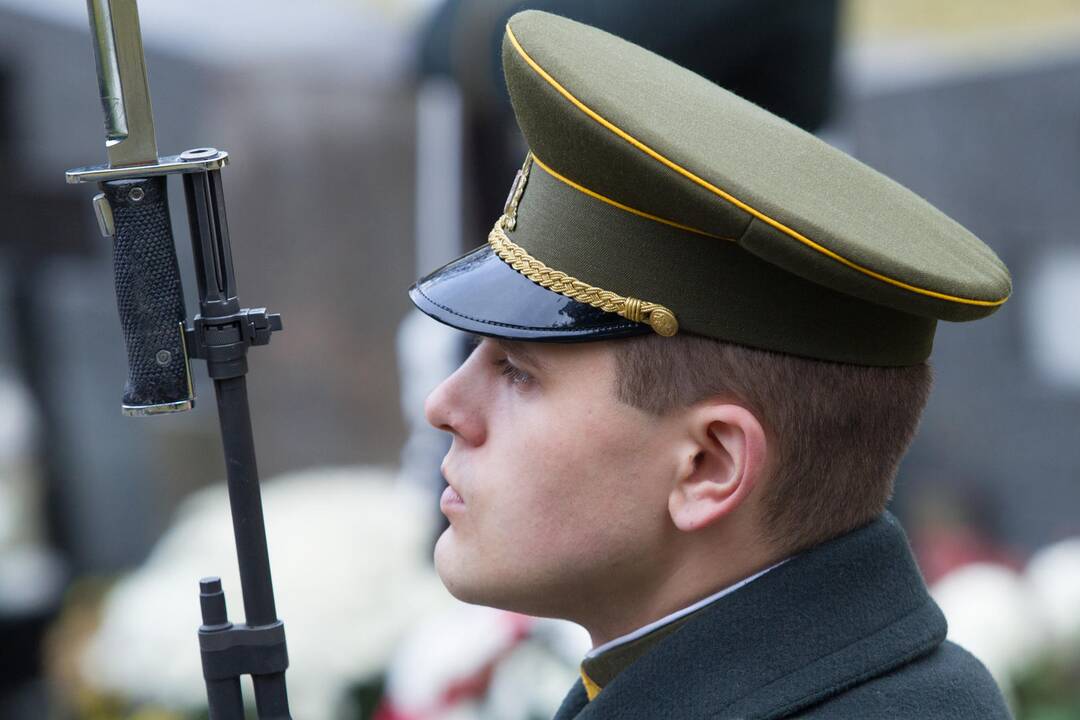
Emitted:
<point x="1000" y="152"/>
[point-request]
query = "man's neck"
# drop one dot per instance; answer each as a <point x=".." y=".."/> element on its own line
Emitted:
<point x="683" y="586"/>
<point x="678" y="614"/>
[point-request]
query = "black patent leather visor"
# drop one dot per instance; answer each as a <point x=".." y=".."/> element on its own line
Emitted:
<point x="481" y="294"/>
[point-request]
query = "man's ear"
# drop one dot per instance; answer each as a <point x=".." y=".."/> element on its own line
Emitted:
<point x="726" y="455"/>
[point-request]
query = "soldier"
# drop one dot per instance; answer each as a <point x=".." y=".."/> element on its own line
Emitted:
<point x="701" y="352"/>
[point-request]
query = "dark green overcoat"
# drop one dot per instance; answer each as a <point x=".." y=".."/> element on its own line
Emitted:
<point x="844" y="630"/>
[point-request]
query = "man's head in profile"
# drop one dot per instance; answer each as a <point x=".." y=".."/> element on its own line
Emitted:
<point x="701" y="344"/>
<point x="612" y="482"/>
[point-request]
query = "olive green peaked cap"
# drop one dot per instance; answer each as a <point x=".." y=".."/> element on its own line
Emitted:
<point x="671" y="205"/>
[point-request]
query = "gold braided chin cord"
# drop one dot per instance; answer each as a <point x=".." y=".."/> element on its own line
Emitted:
<point x="658" y="317"/>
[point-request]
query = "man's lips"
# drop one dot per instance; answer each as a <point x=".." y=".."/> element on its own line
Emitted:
<point x="450" y="500"/>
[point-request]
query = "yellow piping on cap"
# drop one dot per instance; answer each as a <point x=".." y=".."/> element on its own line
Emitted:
<point x="731" y="198"/>
<point x="627" y="208"/>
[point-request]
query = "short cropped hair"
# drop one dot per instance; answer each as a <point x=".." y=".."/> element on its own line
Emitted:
<point x="836" y="432"/>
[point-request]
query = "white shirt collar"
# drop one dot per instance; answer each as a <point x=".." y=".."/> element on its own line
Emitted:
<point x="645" y="630"/>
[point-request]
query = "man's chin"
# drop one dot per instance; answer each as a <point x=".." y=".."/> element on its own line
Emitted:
<point x="468" y="578"/>
<point x="451" y="563"/>
<point x="466" y="589"/>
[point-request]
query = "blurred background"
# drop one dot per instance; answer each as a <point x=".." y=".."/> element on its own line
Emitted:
<point x="371" y="141"/>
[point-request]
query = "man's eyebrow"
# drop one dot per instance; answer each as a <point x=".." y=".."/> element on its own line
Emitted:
<point x="521" y="350"/>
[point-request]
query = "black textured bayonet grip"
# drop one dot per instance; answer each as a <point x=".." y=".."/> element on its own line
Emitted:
<point x="149" y="296"/>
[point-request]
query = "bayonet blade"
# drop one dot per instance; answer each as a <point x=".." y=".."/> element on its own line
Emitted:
<point x="125" y="92"/>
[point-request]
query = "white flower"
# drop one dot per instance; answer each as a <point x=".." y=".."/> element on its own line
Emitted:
<point x="349" y="550"/>
<point x="478" y="663"/>
<point x="1053" y="574"/>
<point x="449" y="648"/>
<point x="994" y="615"/>
<point x="532" y="680"/>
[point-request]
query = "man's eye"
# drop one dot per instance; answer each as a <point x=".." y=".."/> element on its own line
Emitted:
<point x="514" y="374"/>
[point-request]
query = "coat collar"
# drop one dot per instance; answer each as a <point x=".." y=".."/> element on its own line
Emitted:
<point x="838" y="614"/>
<point x="574" y="702"/>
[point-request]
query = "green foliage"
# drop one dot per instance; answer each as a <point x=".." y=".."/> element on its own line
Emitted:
<point x="364" y="698"/>
<point x="1050" y="688"/>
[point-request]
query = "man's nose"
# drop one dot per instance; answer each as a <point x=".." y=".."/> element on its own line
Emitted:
<point x="454" y="408"/>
